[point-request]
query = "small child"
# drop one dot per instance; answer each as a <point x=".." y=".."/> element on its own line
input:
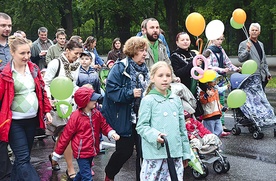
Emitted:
<point x="161" y="114"/>
<point x="200" y="137"/>
<point x="87" y="74"/>
<point x="212" y="108"/>
<point x="83" y="130"/>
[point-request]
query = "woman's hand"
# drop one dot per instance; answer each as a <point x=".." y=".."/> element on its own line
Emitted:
<point x="137" y="92"/>
<point x="49" y="118"/>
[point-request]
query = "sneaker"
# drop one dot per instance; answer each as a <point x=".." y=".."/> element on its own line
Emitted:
<point x="223" y="134"/>
<point x="226" y="130"/>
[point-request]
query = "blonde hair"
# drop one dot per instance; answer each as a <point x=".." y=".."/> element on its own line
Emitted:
<point x="154" y="69"/>
<point x="15" y="41"/>
<point x="133" y="45"/>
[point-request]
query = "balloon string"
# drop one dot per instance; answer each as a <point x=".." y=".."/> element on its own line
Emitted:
<point x="245" y="32"/>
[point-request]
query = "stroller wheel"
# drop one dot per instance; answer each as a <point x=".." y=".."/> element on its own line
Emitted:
<point x="219" y="167"/>
<point x="197" y="175"/>
<point x="258" y="135"/>
<point x="226" y="165"/>
<point x="236" y="130"/>
<point x="251" y="129"/>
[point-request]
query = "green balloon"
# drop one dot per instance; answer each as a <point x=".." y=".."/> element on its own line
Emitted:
<point x="249" y="67"/>
<point x="60" y="113"/>
<point x="236" y="98"/>
<point x="61" y="88"/>
<point x="234" y="24"/>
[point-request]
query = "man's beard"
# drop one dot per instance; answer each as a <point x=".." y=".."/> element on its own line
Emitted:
<point x="151" y="38"/>
<point x="4" y="36"/>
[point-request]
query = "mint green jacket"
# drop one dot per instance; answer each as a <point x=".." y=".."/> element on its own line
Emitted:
<point x="159" y="114"/>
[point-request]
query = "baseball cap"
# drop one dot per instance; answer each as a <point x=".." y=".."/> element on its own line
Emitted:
<point x="95" y="96"/>
<point x="86" y="53"/>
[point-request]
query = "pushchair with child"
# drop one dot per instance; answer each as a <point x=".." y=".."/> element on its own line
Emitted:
<point x="256" y="113"/>
<point x="209" y="153"/>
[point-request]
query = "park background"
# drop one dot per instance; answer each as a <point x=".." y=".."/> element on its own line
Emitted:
<point x="107" y="19"/>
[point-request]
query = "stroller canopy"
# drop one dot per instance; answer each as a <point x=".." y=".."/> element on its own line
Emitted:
<point x="236" y="79"/>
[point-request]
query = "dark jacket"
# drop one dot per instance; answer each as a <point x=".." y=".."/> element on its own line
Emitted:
<point x="118" y="98"/>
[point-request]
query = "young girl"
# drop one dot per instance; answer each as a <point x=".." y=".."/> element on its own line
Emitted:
<point x="161" y="113"/>
<point x="220" y="62"/>
<point x="83" y="130"/>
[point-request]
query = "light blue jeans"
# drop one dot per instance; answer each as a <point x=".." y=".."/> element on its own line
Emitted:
<point x="214" y="126"/>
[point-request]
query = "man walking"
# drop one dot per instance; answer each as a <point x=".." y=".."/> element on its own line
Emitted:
<point x="40" y="47"/>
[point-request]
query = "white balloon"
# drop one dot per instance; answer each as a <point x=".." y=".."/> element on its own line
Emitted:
<point x="214" y="29"/>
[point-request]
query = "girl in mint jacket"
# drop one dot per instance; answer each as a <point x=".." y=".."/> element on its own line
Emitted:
<point x="161" y="113"/>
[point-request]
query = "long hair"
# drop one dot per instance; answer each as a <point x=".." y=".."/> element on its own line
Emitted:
<point x="153" y="70"/>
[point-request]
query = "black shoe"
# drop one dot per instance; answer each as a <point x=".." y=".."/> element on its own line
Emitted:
<point x="55" y="167"/>
<point x="71" y="176"/>
<point x="227" y="130"/>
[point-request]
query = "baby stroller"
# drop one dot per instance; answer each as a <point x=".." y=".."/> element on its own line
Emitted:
<point x="211" y="153"/>
<point x="256" y="113"/>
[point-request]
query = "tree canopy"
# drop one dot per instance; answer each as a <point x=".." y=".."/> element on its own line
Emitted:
<point x="107" y="19"/>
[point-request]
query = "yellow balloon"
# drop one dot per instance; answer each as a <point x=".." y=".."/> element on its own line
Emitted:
<point x="195" y="23"/>
<point x="208" y="76"/>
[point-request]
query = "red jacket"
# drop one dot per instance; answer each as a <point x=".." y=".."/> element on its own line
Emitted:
<point x="7" y="96"/>
<point x="85" y="140"/>
<point x="195" y="128"/>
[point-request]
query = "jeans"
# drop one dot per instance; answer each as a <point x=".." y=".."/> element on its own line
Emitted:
<point x="5" y="163"/>
<point x="21" y="138"/>
<point x="214" y="126"/>
<point x="84" y="173"/>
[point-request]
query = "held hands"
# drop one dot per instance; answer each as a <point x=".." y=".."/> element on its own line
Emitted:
<point x="159" y="139"/>
<point x="226" y="70"/>
<point x="115" y="136"/>
<point x="137" y="92"/>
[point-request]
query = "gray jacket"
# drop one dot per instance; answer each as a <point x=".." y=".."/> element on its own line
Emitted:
<point x="244" y="55"/>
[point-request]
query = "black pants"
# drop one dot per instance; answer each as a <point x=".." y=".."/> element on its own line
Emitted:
<point x="124" y="150"/>
<point x="5" y="163"/>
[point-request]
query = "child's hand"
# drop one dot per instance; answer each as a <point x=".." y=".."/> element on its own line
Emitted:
<point x="159" y="139"/>
<point x="115" y="136"/>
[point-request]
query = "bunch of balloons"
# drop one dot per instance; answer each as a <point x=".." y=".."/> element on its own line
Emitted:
<point x="238" y="18"/>
<point x="61" y="88"/>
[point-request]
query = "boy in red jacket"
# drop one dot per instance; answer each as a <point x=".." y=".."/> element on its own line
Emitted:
<point x="83" y="130"/>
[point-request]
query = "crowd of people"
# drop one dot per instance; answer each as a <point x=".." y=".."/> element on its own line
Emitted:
<point x="127" y="98"/>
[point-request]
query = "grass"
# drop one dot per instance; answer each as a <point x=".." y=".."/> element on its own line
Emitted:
<point x="272" y="83"/>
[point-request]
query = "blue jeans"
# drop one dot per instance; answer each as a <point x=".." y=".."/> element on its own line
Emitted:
<point x="84" y="173"/>
<point x="214" y="126"/>
<point x="21" y="138"/>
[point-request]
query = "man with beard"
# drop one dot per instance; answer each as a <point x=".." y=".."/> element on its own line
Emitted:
<point x="40" y="47"/>
<point x="156" y="50"/>
<point x="5" y="57"/>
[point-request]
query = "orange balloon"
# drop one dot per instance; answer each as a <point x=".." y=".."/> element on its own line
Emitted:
<point x="239" y="15"/>
<point x="195" y="24"/>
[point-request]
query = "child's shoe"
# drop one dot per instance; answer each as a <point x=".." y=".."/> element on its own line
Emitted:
<point x="108" y="179"/>
<point x="223" y="134"/>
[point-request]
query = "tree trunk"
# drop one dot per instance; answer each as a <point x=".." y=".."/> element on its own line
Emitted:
<point x="67" y="16"/>
<point x="123" y="24"/>
<point x="171" y="14"/>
